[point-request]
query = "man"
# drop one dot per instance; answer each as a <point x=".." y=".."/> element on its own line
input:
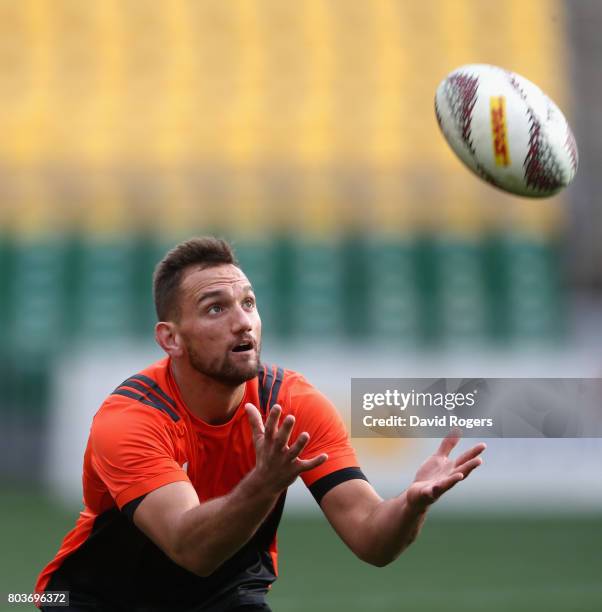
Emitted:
<point x="188" y="462"/>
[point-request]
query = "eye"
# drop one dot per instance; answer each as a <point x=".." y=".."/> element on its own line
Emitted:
<point x="214" y="309"/>
<point x="249" y="303"/>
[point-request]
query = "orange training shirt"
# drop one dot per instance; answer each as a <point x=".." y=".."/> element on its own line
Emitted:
<point x="144" y="437"/>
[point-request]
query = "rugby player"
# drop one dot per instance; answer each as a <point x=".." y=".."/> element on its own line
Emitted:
<point x="188" y="462"/>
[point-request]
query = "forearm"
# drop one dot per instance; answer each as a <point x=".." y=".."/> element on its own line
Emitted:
<point x="212" y="532"/>
<point x="378" y="531"/>
<point x="388" y="530"/>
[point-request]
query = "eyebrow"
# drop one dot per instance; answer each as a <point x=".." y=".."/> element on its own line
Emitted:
<point x="219" y="292"/>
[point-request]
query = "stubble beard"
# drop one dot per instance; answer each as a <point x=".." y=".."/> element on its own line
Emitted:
<point x="226" y="372"/>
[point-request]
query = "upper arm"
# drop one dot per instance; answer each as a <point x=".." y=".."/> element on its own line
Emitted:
<point x="133" y="451"/>
<point x="338" y="485"/>
<point x="317" y="415"/>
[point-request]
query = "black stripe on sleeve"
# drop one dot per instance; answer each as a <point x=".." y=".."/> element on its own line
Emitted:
<point x="129" y="508"/>
<point x="130" y="394"/>
<point x="156" y="399"/>
<point x="155" y="387"/>
<point x="146" y="392"/>
<point x="324" y="484"/>
<point x="143" y="400"/>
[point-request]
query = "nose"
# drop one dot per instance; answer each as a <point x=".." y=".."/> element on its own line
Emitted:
<point x="241" y="320"/>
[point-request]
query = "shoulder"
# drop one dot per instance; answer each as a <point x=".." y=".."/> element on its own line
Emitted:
<point x="296" y="394"/>
<point x="140" y="404"/>
<point x="278" y="383"/>
<point x="271" y="374"/>
<point x="297" y="387"/>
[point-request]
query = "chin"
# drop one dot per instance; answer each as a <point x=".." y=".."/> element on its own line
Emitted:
<point x="228" y="372"/>
<point x="249" y="372"/>
<point x="239" y="375"/>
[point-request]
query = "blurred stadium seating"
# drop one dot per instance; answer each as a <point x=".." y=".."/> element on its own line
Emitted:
<point x="302" y="131"/>
<point x="302" y="128"/>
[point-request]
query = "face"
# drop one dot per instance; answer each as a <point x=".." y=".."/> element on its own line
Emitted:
<point x="219" y="325"/>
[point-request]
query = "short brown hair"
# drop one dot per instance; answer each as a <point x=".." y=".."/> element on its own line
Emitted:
<point x="204" y="252"/>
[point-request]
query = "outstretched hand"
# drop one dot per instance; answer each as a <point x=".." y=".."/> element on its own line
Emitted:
<point x="439" y="473"/>
<point x="276" y="462"/>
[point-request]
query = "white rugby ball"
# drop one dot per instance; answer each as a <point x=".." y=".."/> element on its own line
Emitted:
<point x="506" y="130"/>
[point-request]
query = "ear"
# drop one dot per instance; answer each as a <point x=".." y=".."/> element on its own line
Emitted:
<point x="168" y="339"/>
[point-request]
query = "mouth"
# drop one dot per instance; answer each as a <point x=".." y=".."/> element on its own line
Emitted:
<point x="244" y="347"/>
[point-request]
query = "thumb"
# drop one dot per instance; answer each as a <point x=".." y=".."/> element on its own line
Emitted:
<point x="420" y="497"/>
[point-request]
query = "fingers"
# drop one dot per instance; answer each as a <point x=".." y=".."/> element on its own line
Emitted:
<point x="449" y="442"/>
<point x="452" y="480"/>
<point x="469" y="466"/>
<point x="309" y="464"/>
<point x="299" y="444"/>
<point x="470" y="454"/>
<point x="430" y="492"/>
<point x="255" y="421"/>
<point x="277" y="439"/>
<point x="271" y="424"/>
<point x="446" y="484"/>
<point x="284" y="433"/>
<point x="297" y="448"/>
<point x="280" y="435"/>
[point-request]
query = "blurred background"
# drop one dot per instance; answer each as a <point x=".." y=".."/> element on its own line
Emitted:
<point x="305" y="133"/>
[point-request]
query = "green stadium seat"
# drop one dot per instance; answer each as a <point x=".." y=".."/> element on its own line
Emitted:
<point x="462" y="290"/>
<point x="317" y="299"/>
<point x="106" y="292"/>
<point x="36" y="313"/>
<point x="393" y="301"/>
<point x="534" y="293"/>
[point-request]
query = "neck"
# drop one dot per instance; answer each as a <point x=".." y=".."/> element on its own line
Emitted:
<point x="210" y="400"/>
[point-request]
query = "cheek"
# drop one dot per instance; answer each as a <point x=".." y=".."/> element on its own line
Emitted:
<point x="257" y="322"/>
<point x="213" y="333"/>
<point x="208" y="334"/>
<point x="201" y="332"/>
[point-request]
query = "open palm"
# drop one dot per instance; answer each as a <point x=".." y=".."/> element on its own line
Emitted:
<point x="439" y="472"/>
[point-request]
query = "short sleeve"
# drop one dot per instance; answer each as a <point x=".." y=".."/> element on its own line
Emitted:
<point x="133" y="451"/>
<point x="317" y="415"/>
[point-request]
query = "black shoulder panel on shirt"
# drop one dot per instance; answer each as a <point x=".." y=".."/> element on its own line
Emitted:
<point x="276" y="387"/>
<point x="265" y="383"/>
<point x="324" y="484"/>
<point x="269" y="386"/>
<point x="150" y="394"/>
